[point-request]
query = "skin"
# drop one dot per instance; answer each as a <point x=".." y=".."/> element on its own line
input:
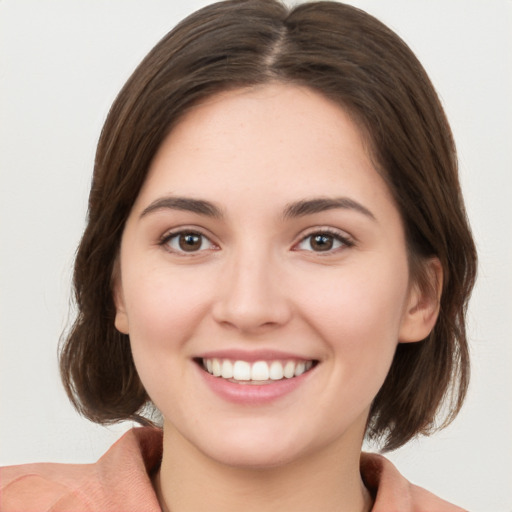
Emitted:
<point x="256" y="281"/>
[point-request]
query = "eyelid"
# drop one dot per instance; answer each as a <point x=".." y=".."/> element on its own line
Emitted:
<point x="341" y="236"/>
<point x="174" y="232"/>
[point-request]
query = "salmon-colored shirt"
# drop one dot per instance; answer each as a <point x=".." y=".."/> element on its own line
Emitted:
<point x="121" y="481"/>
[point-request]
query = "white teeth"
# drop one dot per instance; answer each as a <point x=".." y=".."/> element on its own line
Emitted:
<point x="216" y="368"/>
<point x="289" y="369"/>
<point x="227" y="369"/>
<point x="242" y="370"/>
<point x="276" y="370"/>
<point x="300" y="369"/>
<point x="257" y="371"/>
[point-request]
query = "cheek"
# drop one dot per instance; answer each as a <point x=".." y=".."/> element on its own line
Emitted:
<point x="370" y="299"/>
<point x="164" y="309"/>
<point x="358" y="315"/>
<point x="163" y="306"/>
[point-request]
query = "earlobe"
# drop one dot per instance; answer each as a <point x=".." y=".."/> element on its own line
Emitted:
<point x="121" y="318"/>
<point x="422" y="308"/>
<point x="121" y="321"/>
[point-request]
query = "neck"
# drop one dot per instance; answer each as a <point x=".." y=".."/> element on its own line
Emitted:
<point x="190" y="480"/>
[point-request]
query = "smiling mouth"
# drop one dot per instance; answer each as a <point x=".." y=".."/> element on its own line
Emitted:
<point x="257" y="372"/>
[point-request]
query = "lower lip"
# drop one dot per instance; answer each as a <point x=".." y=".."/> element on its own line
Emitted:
<point x="253" y="394"/>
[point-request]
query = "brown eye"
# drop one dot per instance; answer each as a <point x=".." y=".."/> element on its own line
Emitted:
<point x="322" y="242"/>
<point x="190" y="242"/>
<point x="187" y="241"/>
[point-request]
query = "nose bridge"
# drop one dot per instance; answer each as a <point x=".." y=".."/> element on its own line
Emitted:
<point x="250" y="295"/>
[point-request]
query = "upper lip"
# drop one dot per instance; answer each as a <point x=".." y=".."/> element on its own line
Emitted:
<point x="253" y="355"/>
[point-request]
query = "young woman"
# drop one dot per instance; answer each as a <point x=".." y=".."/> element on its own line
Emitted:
<point x="277" y="259"/>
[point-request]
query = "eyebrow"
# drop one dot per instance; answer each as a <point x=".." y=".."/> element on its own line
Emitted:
<point x="198" y="206"/>
<point x="317" y="205"/>
<point x="296" y="209"/>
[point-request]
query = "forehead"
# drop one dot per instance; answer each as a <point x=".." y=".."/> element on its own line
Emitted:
<point x="279" y="140"/>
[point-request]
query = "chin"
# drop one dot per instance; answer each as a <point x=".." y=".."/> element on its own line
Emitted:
<point x="253" y="457"/>
<point x="259" y="446"/>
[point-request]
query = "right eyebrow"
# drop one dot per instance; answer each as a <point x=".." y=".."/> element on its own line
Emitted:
<point x="188" y="204"/>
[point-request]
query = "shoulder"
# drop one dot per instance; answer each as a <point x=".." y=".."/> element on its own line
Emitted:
<point x="45" y="487"/>
<point x="394" y="492"/>
<point x="121" y="479"/>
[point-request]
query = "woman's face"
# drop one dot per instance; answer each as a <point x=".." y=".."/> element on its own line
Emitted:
<point x="264" y="246"/>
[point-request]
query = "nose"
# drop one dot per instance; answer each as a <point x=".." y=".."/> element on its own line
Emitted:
<point x="251" y="296"/>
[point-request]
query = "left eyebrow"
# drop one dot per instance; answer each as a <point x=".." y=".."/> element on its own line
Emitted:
<point x="321" y="204"/>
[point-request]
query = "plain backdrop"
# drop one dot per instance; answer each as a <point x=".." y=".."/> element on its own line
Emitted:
<point x="62" y="64"/>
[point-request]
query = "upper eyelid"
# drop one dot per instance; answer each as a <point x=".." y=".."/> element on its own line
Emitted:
<point x="170" y="233"/>
<point x="336" y="232"/>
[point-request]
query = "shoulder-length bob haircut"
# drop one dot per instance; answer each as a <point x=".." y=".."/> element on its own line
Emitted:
<point x="354" y="60"/>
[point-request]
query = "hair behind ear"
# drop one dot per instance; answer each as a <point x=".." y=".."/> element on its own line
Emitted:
<point x="424" y="374"/>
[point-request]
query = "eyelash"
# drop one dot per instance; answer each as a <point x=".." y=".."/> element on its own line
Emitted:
<point x="164" y="241"/>
<point x="344" y="241"/>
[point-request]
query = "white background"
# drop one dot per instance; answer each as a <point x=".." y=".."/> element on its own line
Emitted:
<point x="62" y="63"/>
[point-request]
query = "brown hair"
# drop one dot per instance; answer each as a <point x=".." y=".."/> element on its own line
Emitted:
<point x="349" y="57"/>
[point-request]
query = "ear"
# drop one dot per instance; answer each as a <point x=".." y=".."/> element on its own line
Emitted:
<point x="121" y="319"/>
<point x="422" y="307"/>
